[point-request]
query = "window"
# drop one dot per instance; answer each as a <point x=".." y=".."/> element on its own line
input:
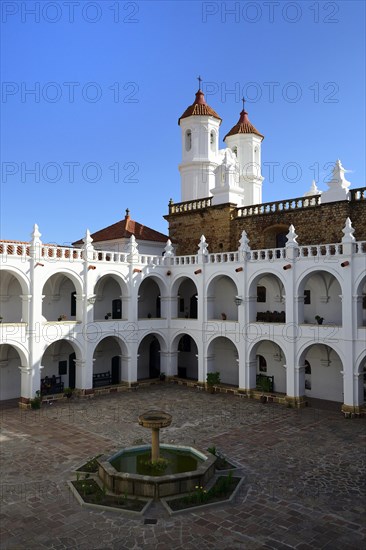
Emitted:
<point x="262" y="364"/>
<point x="307" y="299"/>
<point x="62" y="368"/>
<point x="235" y="150"/>
<point x="307" y="367"/>
<point x="73" y="304"/>
<point x="188" y="140"/>
<point x="261" y="294"/>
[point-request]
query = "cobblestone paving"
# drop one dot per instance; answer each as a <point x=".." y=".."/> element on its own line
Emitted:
<point x="304" y="474"/>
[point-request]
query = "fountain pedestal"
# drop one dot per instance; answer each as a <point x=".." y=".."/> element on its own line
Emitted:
<point x="155" y="420"/>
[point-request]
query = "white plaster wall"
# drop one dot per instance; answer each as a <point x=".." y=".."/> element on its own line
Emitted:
<point x="57" y="302"/>
<point x="106" y="292"/>
<point x="59" y="351"/>
<point x="143" y="359"/>
<point x="103" y="354"/>
<point x="275" y="368"/>
<point x="223" y="291"/>
<point x="326" y="381"/>
<point x="274" y="291"/>
<point x="325" y="299"/>
<point x="189" y="360"/>
<point x="186" y="289"/>
<point x="148" y="293"/>
<point x="10" y="375"/>
<point x="225" y="360"/>
<point x="10" y="301"/>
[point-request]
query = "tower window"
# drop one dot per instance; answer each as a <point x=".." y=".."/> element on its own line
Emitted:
<point x="235" y="150"/>
<point x="212" y="140"/>
<point x="188" y="140"/>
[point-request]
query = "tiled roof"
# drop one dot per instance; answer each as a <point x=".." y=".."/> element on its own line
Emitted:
<point x="124" y="229"/>
<point x="243" y="126"/>
<point x="199" y="108"/>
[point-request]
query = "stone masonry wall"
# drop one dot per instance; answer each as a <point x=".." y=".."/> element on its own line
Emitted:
<point x="314" y="225"/>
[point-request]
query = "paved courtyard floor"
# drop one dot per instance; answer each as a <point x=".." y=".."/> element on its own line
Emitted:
<point x="304" y="474"/>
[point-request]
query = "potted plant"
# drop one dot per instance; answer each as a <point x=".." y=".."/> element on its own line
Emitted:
<point x="62" y="317"/>
<point x="223" y="316"/>
<point x="319" y="319"/>
<point x="36" y="402"/>
<point x="162" y="376"/>
<point x="1" y="319"/>
<point x="68" y="392"/>
<point x="212" y="380"/>
<point x="107" y="316"/>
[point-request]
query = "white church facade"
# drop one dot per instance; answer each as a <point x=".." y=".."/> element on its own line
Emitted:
<point x="120" y="308"/>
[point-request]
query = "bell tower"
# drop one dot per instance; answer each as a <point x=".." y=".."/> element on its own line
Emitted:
<point x="245" y="141"/>
<point x="200" y="137"/>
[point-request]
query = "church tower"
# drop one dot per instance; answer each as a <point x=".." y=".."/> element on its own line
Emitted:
<point x="245" y="141"/>
<point x="200" y="137"/>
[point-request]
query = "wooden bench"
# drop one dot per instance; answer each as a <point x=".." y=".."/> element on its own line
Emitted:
<point x="102" y="379"/>
<point x="51" y="385"/>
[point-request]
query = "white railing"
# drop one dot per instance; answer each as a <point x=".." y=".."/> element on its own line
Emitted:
<point x="223" y="257"/>
<point x="320" y="250"/>
<point x="361" y="247"/>
<point x="14" y="249"/>
<point x="268" y="254"/>
<point x="184" y="260"/>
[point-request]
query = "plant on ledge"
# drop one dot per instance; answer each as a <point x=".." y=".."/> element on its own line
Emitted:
<point x="212" y="379"/>
<point x="319" y="319"/>
<point x="62" y="318"/>
<point x="107" y="316"/>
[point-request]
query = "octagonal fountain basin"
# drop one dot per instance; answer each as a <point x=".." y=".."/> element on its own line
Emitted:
<point x="127" y="471"/>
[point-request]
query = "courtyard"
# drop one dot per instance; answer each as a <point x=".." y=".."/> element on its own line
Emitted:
<point x="304" y="473"/>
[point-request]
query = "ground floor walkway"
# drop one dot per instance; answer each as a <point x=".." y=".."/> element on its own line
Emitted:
<point x="304" y="473"/>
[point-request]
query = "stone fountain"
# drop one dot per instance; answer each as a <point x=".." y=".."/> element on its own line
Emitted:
<point x="128" y="472"/>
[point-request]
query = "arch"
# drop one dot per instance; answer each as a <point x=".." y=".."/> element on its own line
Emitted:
<point x="323" y="291"/>
<point x="221" y="291"/>
<point x="326" y="366"/>
<point x="11" y="358"/>
<point x="110" y="361"/>
<point x="57" y="290"/>
<point x="275" y="357"/>
<point x="148" y="356"/>
<point x="223" y="357"/>
<point x="149" y="293"/>
<point x="185" y="289"/>
<point x="111" y="292"/>
<point x="270" y="235"/>
<point x="184" y="348"/>
<point x="270" y="308"/>
<point x="19" y="275"/>
<point x="59" y="366"/>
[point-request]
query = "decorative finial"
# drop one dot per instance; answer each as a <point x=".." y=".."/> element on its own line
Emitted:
<point x="199" y="82"/>
<point x="243" y="100"/>
<point x="127" y="213"/>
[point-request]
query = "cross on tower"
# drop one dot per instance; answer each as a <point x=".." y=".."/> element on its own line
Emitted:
<point x="199" y="82"/>
<point x="243" y="100"/>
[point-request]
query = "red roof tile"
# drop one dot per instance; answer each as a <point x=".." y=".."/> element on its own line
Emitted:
<point x="124" y="229"/>
<point x="243" y="126"/>
<point x="199" y="108"/>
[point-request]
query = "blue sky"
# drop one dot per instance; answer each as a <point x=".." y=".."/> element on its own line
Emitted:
<point x="111" y="78"/>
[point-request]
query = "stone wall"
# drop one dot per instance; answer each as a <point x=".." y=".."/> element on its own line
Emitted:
<point x="222" y="228"/>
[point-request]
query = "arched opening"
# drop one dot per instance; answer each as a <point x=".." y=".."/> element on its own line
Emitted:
<point x="323" y="378"/>
<point x="362" y="383"/>
<point x="221" y="293"/>
<point x="12" y="308"/>
<point x="10" y="374"/>
<point x="58" y="369"/>
<point x="110" y="362"/>
<point x="186" y="299"/>
<point x="275" y="236"/>
<point x="270" y="360"/>
<point x="321" y="299"/>
<point x="111" y="294"/>
<point x="268" y="300"/>
<point x="149" y="305"/>
<point x="59" y="299"/>
<point x="187" y="359"/>
<point x="222" y="357"/>
<point x="148" y="358"/>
